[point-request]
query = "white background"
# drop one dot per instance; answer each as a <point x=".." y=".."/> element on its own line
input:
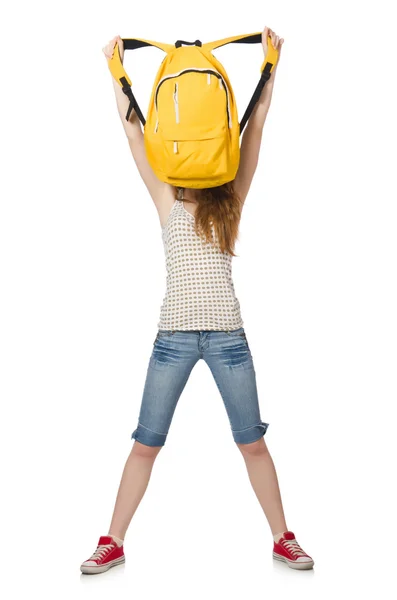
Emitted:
<point x="83" y="277"/>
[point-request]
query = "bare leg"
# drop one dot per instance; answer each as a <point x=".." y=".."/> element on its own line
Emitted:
<point x="134" y="481"/>
<point x="263" y="478"/>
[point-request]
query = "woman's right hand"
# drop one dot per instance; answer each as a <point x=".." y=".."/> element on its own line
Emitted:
<point x="109" y="48"/>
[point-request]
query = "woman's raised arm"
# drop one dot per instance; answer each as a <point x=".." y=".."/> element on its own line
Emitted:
<point x="134" y="132"/>
<point x="252" y="136"/>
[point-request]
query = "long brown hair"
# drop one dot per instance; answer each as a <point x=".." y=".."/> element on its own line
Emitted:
<point x="221" y="207"/>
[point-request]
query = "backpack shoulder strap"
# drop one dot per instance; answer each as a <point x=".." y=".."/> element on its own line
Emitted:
<point x="248" y="38"/>
<point x="120" y="75"/>
<point x="266" y="68"/>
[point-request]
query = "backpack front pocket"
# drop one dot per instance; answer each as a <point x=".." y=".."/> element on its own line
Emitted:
<point x="197" y="159"/>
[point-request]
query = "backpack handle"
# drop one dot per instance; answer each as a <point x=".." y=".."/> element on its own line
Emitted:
<point x="120" y="75"/>
<point x="179" y="43"/>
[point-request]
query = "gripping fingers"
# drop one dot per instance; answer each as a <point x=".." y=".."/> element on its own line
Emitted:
<point x="109" y="48"/>
<point x="277" y="41"/>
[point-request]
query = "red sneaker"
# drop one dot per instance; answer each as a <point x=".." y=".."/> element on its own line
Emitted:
<point x="288" y="550"/>
<point x="107" y="554"/>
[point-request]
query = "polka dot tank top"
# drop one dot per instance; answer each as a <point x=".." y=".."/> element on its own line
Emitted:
<point x="200" y="293"/>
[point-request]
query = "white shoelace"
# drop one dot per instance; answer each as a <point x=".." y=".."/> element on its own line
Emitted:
<point x="293" y="547"/>
<point x="101" y="551"/>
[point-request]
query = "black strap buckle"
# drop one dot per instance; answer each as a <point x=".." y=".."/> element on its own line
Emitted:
<point x="127" y="91"/>
<point x="267" y="71"/>
<point x="125" y="86"/>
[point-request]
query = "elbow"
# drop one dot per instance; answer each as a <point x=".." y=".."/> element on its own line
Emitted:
<point x="133" y="132"/>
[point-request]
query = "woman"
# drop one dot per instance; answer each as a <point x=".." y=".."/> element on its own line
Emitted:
<point x="200" y="318"/>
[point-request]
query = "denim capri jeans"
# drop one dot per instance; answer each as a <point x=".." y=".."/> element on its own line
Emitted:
<point x="173" y="357"/>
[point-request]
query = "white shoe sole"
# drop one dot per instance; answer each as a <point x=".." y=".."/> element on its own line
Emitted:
<point x="101" y="568"/>
<point x="294" y="565"/>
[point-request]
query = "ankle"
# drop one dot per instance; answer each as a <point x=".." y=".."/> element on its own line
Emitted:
<point x="278" y="536"/>
<point x="118" y="540"/>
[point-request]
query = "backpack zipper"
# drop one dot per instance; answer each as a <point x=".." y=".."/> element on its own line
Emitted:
<point x="222" y="83"/>
<point x="176" y="103"/>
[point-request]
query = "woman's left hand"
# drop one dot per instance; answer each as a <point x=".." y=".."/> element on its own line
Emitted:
<point x="275" y="39"/>
<point x="277" y="43"/>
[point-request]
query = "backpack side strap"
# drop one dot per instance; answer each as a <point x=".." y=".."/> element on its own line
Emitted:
<point x="266" y="68"/>
<point x="120" y="75"/>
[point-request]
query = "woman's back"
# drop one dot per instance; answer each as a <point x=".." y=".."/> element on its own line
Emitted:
<point x="200" y="293"/>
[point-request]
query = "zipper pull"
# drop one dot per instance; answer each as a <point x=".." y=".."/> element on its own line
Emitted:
<point x="176" y="103"/>
<point x="175" y="147"/>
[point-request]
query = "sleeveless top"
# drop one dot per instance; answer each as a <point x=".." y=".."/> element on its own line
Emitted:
<point x="199" y="287"/>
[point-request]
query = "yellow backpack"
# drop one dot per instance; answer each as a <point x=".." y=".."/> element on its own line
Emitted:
<point x="192" y="132"/>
